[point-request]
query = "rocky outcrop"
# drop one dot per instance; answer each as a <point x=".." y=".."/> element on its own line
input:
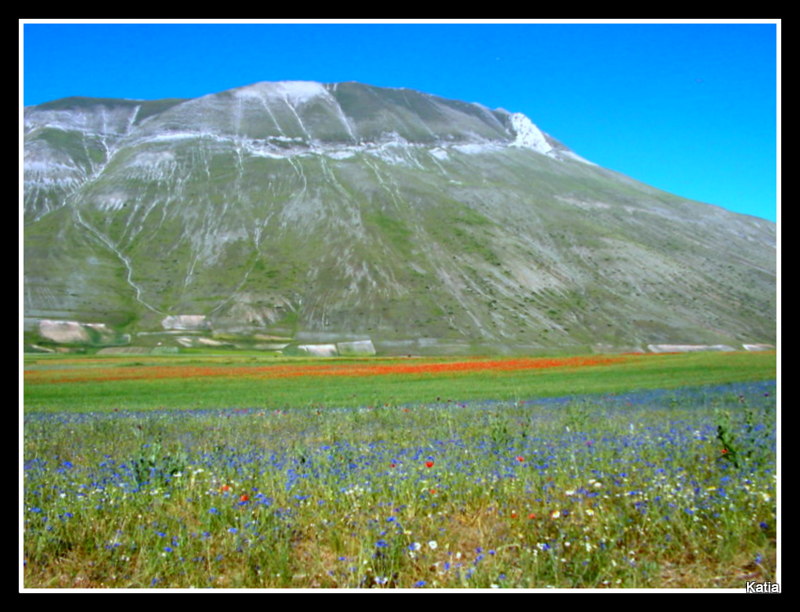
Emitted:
<point x="186" y="323"/>
<point x="758" y="347"/>
<point x="687" y="348"/>
<point x="318" y="350"/>
<point x="75" y="333"/>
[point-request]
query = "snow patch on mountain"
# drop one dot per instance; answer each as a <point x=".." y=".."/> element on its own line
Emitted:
<point x="297" y="92"/>
<point x="576" y="157"/>
<point x="153" y="158"/>
<point x="476" y="148"/>
<point x="98" y="120"/>
<point x="528" y="136"/>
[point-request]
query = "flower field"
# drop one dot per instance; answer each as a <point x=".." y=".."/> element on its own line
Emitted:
<point x="667" y="488"/>
<point x="365" y="368"/>
<point x="58" y="383"/>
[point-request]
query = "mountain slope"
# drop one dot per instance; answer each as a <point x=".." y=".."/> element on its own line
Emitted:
<point x="330" y="211"/>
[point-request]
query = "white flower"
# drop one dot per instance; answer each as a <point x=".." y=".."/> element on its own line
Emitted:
<point x="433" y="545"/>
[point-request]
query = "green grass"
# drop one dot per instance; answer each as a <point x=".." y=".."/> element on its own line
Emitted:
<point x="653" y="371"/>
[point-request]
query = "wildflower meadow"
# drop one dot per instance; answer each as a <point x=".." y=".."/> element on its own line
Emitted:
<point x="647" y="487"/>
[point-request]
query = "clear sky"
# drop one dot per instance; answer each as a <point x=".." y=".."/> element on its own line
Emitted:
<point x="691" y="108"/>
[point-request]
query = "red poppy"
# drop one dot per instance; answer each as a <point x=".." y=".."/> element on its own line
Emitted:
<point x="225" y="488"/>
<point x="724" y="451"/>
<point x="531" y="516"/>
<point x="244" y="498"/>
<point x="392" y="465"/>
<point x="429" y="464"/>
<point x="520" y="458"/>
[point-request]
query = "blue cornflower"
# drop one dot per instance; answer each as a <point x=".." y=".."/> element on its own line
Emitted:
<point x="419" y="583"/>
<point x="381" y="544"/>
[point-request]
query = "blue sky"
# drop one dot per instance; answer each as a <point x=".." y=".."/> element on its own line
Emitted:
<point x="690" y="108"/>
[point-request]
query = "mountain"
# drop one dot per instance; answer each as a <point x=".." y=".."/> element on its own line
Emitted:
<point x="319" y="212"/>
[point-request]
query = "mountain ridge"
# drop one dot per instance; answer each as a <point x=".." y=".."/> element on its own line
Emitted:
<point x="319" y="210"/>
